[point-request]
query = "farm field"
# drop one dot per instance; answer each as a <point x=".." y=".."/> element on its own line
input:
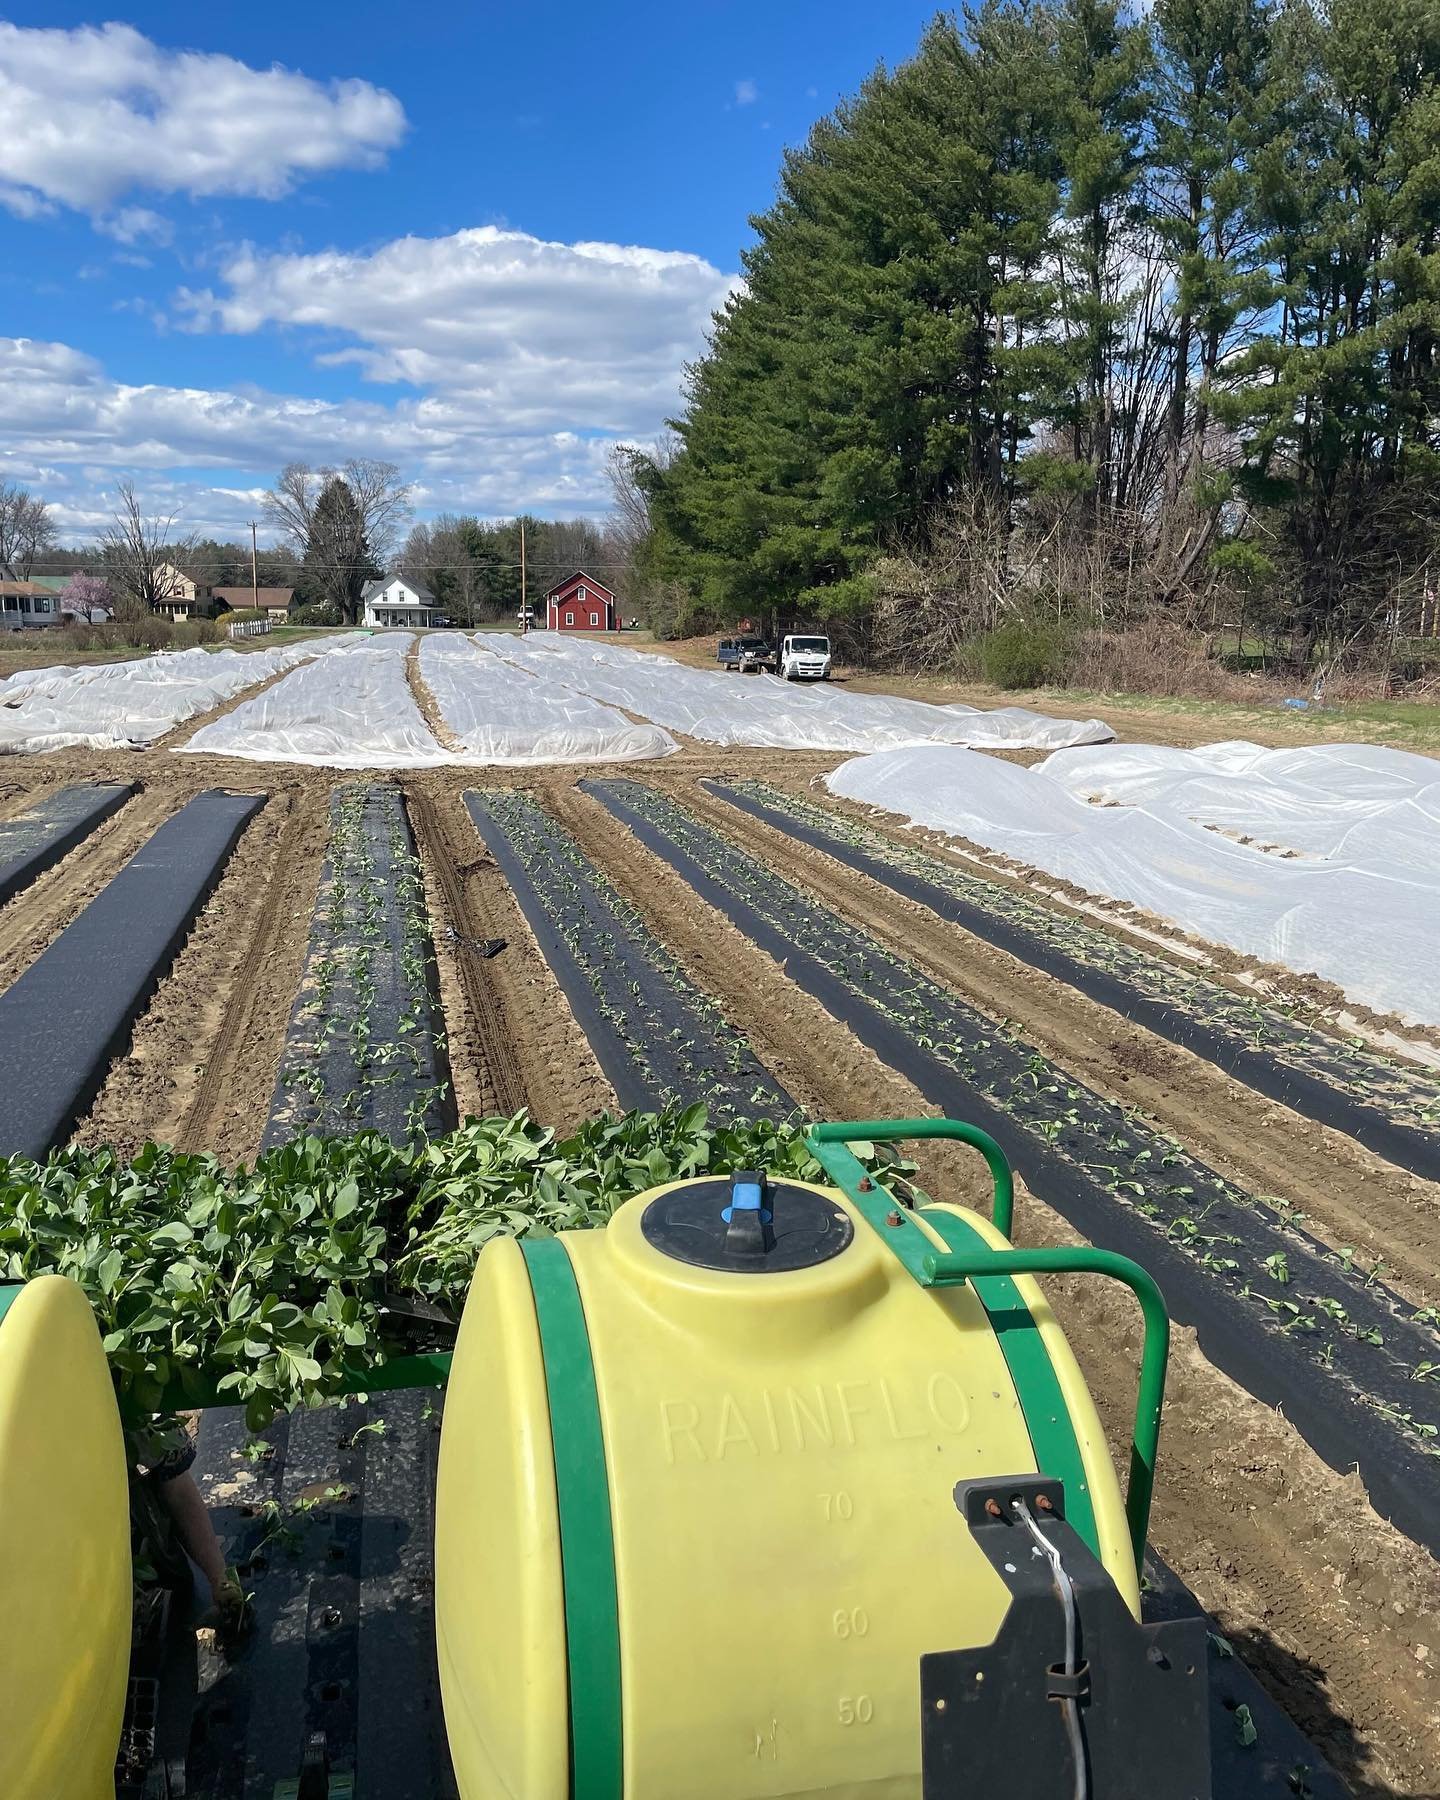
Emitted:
<point x="400" y="931"/>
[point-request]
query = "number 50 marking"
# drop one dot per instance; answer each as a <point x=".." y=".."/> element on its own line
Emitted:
<point x="859" y="1711"/>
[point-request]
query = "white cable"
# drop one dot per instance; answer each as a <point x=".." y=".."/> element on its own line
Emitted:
<point x="1065" y="1588"/>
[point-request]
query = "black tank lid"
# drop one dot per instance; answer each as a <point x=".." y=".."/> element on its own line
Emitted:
<point x="747" y="1224"/>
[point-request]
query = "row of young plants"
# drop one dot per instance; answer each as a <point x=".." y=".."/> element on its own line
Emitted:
<point x="1352" y="1327"/>
<point x="660" y="1040"/>
<point x="366" y="1043"/>
<point x="274" y="1283"/>
<point x="1278" y="1026"/>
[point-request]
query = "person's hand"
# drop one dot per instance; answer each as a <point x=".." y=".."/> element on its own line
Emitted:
<point x="232" y="1603"/>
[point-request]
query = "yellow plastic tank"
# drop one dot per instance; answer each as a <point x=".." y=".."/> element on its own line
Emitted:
<point x="695" y="1520"/>
<point x="65" y="1531"/>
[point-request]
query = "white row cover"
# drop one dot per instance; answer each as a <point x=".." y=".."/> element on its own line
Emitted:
<point x="127" y="705"/>
<point x="1358" y="803"/>
<point x="502" y="714"/>
<point x="1354" y="909"/>
<point x="354" y="709"/>
<point x="349" y="709"/>
<point x="763" y="711"/>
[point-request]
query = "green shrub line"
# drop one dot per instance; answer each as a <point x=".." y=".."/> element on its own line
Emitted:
<point x="268" y="1282"/>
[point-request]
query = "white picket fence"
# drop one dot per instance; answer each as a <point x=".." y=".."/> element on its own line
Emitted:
<point x="250" y="628"/>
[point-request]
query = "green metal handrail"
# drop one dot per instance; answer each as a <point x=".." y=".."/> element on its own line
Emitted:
<point x="882" y="1131"/>
<point x="936" y="1268"/>
<point x="946" y="1268"/>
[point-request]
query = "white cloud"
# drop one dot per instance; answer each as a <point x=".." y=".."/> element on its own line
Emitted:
<point x="505" y="331"/>
<point x="134" y="224"/>
<point x="71" y="430"/>
<point x="99" y="112"/>
<point x="505" y="368"/>
<point x="747" y="92"/>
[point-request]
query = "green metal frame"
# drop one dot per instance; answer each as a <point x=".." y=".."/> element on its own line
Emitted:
<point x="8" y="1292"/>
<point x="986" y="1269"/>
<point x="587" y="1542"/>
<point x="428" y="1369"/>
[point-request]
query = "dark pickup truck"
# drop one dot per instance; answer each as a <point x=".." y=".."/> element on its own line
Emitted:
<point x="746" y="654"/>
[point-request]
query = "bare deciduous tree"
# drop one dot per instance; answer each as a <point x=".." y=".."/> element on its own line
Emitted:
<point x="141" y="555"/>
<point x="26" y="530"/>
<point x="355" y="531"/>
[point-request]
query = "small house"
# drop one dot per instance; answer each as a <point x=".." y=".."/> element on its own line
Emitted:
<point x="274" y="602"/>
<point x="580" y="603"/>
<point x="176" y="596"/>
<point x="25" y="603"/>
<point x="392" y="600"/>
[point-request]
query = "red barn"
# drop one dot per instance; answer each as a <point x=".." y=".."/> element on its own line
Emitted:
<point x="580" y="603"/>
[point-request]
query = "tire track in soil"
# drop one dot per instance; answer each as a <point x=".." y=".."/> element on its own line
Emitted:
<point x="482" y="1047"/>
<point x="1333" y="1608"/>
<point x="558" y="1080"/>
<point x="202" y="1058"/>
<point x="1348" y="1195"/>
<point x="32" y="921"/>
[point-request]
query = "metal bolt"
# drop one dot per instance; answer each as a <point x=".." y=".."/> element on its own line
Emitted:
<point x="940" y="1704"/>
<point x="1042" y="1503"/>
<point x="892" y="1217"/>
<point x="993" y="1508"/>
<point x="866" y="1185"/>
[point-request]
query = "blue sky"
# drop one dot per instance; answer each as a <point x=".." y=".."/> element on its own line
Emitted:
<point x="479" y="240"/>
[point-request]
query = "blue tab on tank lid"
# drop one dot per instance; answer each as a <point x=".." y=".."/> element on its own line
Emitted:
<point x="747" y="1194"/>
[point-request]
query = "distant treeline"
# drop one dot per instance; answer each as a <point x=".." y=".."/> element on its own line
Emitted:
<point x="1090" y="314"/>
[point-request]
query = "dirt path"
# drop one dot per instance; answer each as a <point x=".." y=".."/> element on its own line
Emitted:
<point x="484" y="1050"/>
<point x="202" y="1062"/>
<point x="507" y="1020"/>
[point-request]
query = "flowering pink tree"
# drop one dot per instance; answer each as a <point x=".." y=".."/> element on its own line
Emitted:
<point x="87" y="596"/>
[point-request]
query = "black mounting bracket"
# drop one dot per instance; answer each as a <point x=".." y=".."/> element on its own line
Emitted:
<point x="995" y="1718"/>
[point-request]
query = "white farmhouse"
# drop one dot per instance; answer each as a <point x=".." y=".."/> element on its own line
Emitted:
<point x="394" y="601"/>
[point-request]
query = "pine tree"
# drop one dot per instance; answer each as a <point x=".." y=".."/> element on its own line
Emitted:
<point x="337" y="561"/>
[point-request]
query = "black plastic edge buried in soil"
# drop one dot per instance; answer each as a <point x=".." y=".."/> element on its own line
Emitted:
<point x="1312" y="1096"/>
<point x="636" y="979"/>
<point x="34" y="841"/>
<point x="1402" y="1482"/>
<point x="320" y="1067"/>
<point x="69" y="1015"/>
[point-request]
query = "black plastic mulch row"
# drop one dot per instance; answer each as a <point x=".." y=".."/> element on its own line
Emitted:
<point x="1354" y="1400"/>
<point x="69" y="1015"/>
<point x="1390" y="1110"/>
<point x="365" y="1049"/>
<point x="329" y="1516"/>
<point x="657" y="1038"/>
<point x="34" y="841"/>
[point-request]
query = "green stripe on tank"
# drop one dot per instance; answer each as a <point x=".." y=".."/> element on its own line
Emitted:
<point x="1037" y="1387"/>
<point x="587" y="1542"/>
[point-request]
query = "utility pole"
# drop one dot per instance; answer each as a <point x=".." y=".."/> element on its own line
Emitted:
<point x="524" y="606"/>
<point x="254" y="576"/>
